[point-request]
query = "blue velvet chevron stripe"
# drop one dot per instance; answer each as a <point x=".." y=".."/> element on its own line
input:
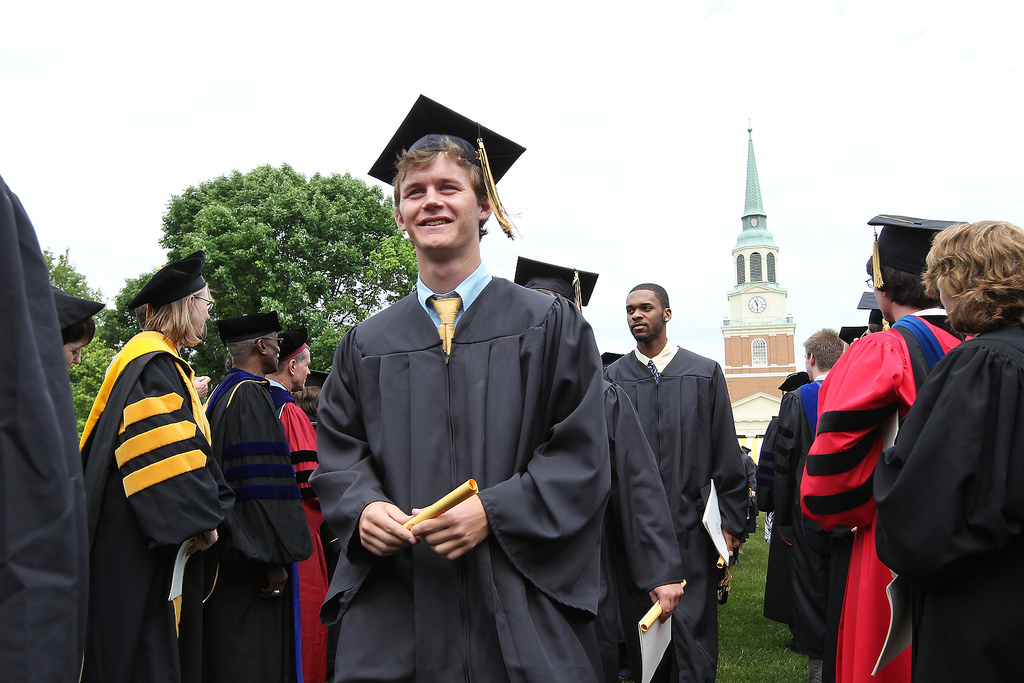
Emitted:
<point x="258" y="470"/>
<point x="257" y="448"/>
<point x="267" y="492"/>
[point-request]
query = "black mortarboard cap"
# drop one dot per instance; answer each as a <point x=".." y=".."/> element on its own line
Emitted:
<point x="71" y="310"/>
<point x="609" y="357"/>
<point x="559" y="279"/>
<point x="294" y="342"/>
<point x="867" y="302"/>
<point x="248" y="326"/>
<point x="316" y="378"/>
<point x="850" y="334"/>
<point x="904" y="242"/>
<point x="424" y="127"/>
<point x="174" y="281"/>
<point x="795" y="381"/>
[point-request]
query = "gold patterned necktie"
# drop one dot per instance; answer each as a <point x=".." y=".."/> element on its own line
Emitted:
<point x="447" y="308"/>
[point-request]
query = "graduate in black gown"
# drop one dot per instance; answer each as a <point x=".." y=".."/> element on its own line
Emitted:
<point x="950" y="493"/>
<point x="44" y="551"/>
<point x="684" y="408"/>
<point x="639" y="553"/>
<point x="504" y="586"/>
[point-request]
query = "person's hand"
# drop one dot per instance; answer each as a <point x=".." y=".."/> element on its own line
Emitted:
<point x="733" y="542"/>
<point x="457" y="531"/>
<point x="277" y="579"/>
<point x="668" y="595"/>
<point x="203" y="541"/>
<point x="202" y="385"/>
<point x="381" y="531"/>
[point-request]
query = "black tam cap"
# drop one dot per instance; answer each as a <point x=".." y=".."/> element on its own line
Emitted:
<point x="904" y="242"/>
<point x="316" y="378"/>
<point x="293" y="344"/>
<point x="559" y="279"/>
<point x="867" y="302"/>
<point x="71" y="310"/>
<point x="248" y="326"/>
<point x="609" y="357"/>
<point x="795" y="381"/>
<point x="851" y="334"/>
<point x="174" y="281"/>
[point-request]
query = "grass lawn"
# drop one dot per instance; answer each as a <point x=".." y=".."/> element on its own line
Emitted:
<point x="752" y="649"/>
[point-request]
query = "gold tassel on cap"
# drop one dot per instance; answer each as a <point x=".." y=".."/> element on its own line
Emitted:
<point x="492" y="193"/>
<point x="576" y="289"/>
<point x="876" y="264"/>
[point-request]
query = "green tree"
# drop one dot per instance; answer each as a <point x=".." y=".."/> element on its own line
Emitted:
<point x="86" y="378"/>
<point x="324" y="252"/>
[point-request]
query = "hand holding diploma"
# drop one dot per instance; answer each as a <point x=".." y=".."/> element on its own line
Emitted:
<point x="457" y="523"/>
<point x="662" y="611"/>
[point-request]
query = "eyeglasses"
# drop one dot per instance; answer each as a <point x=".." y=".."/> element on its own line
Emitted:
<point x="870" y="282"/>
<point x="209" y="304"/>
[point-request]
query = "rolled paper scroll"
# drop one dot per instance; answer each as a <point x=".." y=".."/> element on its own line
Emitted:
<point x="653" y="613"/>
<point x="721" y="562"/>
<point x="464" y="492"/>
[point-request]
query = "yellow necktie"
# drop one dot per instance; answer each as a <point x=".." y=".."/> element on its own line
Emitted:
<point x="447" y="309"/>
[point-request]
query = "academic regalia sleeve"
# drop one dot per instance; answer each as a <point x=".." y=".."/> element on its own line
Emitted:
<point x="861" y="391"/>
<point x="728" y="471"/>
<point x="548" y="519"/>
<point x="298" y="430"/>
<point x="766" y="467"/>
<point x="162" y="455"/>
<point x="638" y="499"/>
<point x="950" y="493"/>
<point x="267" y="523"/>
<point x="787" y="457"/>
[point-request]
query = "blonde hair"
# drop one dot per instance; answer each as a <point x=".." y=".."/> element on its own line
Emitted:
<point x="980" y="269"/>
<point x="174" y="320"/>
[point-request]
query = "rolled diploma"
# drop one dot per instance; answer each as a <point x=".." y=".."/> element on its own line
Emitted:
<point x="721" y="562"/>
<point x="653" y="613"/>
<point x="467" y="490"/>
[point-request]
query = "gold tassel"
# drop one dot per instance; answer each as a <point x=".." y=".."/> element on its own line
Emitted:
<point x="876" y="264"/>
<point x="492" y="193"/>
<point x="576" y="288"/>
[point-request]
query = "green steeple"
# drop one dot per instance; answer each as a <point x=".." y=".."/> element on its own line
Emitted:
<point x="755" y="222"/>
<point x="752" y="206"/>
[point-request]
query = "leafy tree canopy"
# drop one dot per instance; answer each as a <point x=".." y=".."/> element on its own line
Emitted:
<point x="324" y="253"/>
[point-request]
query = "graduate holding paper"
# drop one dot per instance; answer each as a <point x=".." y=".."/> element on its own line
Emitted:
<point x="469" y="377"/>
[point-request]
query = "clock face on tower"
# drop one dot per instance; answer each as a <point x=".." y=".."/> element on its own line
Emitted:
<point x="757" y="304"/>
<point x="753" y="222"/>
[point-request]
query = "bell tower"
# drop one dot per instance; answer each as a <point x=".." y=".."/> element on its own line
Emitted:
<point x="758" y="329"/>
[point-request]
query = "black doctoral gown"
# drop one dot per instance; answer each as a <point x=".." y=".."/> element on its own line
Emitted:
<point x="640" y="550"/>
<point x="44" y="551"/>
<point x="950" y="501"/>
<point x="516" y="406"/>
<point x="687" y="418"/>
<point x="250" y="637"/>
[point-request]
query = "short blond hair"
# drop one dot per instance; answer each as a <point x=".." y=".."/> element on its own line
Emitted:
<point x="980" y="269"/>
<point x="174" y="320"/>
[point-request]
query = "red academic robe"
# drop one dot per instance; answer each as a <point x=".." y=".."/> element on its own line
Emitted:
<point x="312" y="572"/>
<point x="871" y="379"/>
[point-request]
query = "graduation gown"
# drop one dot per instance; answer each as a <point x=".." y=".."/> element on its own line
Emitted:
<point x="687" y="418"/>
<point x="640" y="551"/>
<point x="309" y="580"/>
<point x="516" y="406"/>
<point x="160" y="489"/>
<point x="810" y="544"/>
<point x="44" y="548"/>
<point x="778" y="589"/>
<point x="250" y="637"/>
<point x="950" y="498"/>
<point x="873" y="378"/>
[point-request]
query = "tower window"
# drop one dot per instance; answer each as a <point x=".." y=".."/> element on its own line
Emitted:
<point x="759" y="352"/>
<point x="755" y="267"/>
<point x="771" y="267"/>
<point x="741" y="270"/>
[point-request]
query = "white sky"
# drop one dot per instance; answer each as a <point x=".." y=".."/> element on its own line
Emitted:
<point x="634" y="119"/>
